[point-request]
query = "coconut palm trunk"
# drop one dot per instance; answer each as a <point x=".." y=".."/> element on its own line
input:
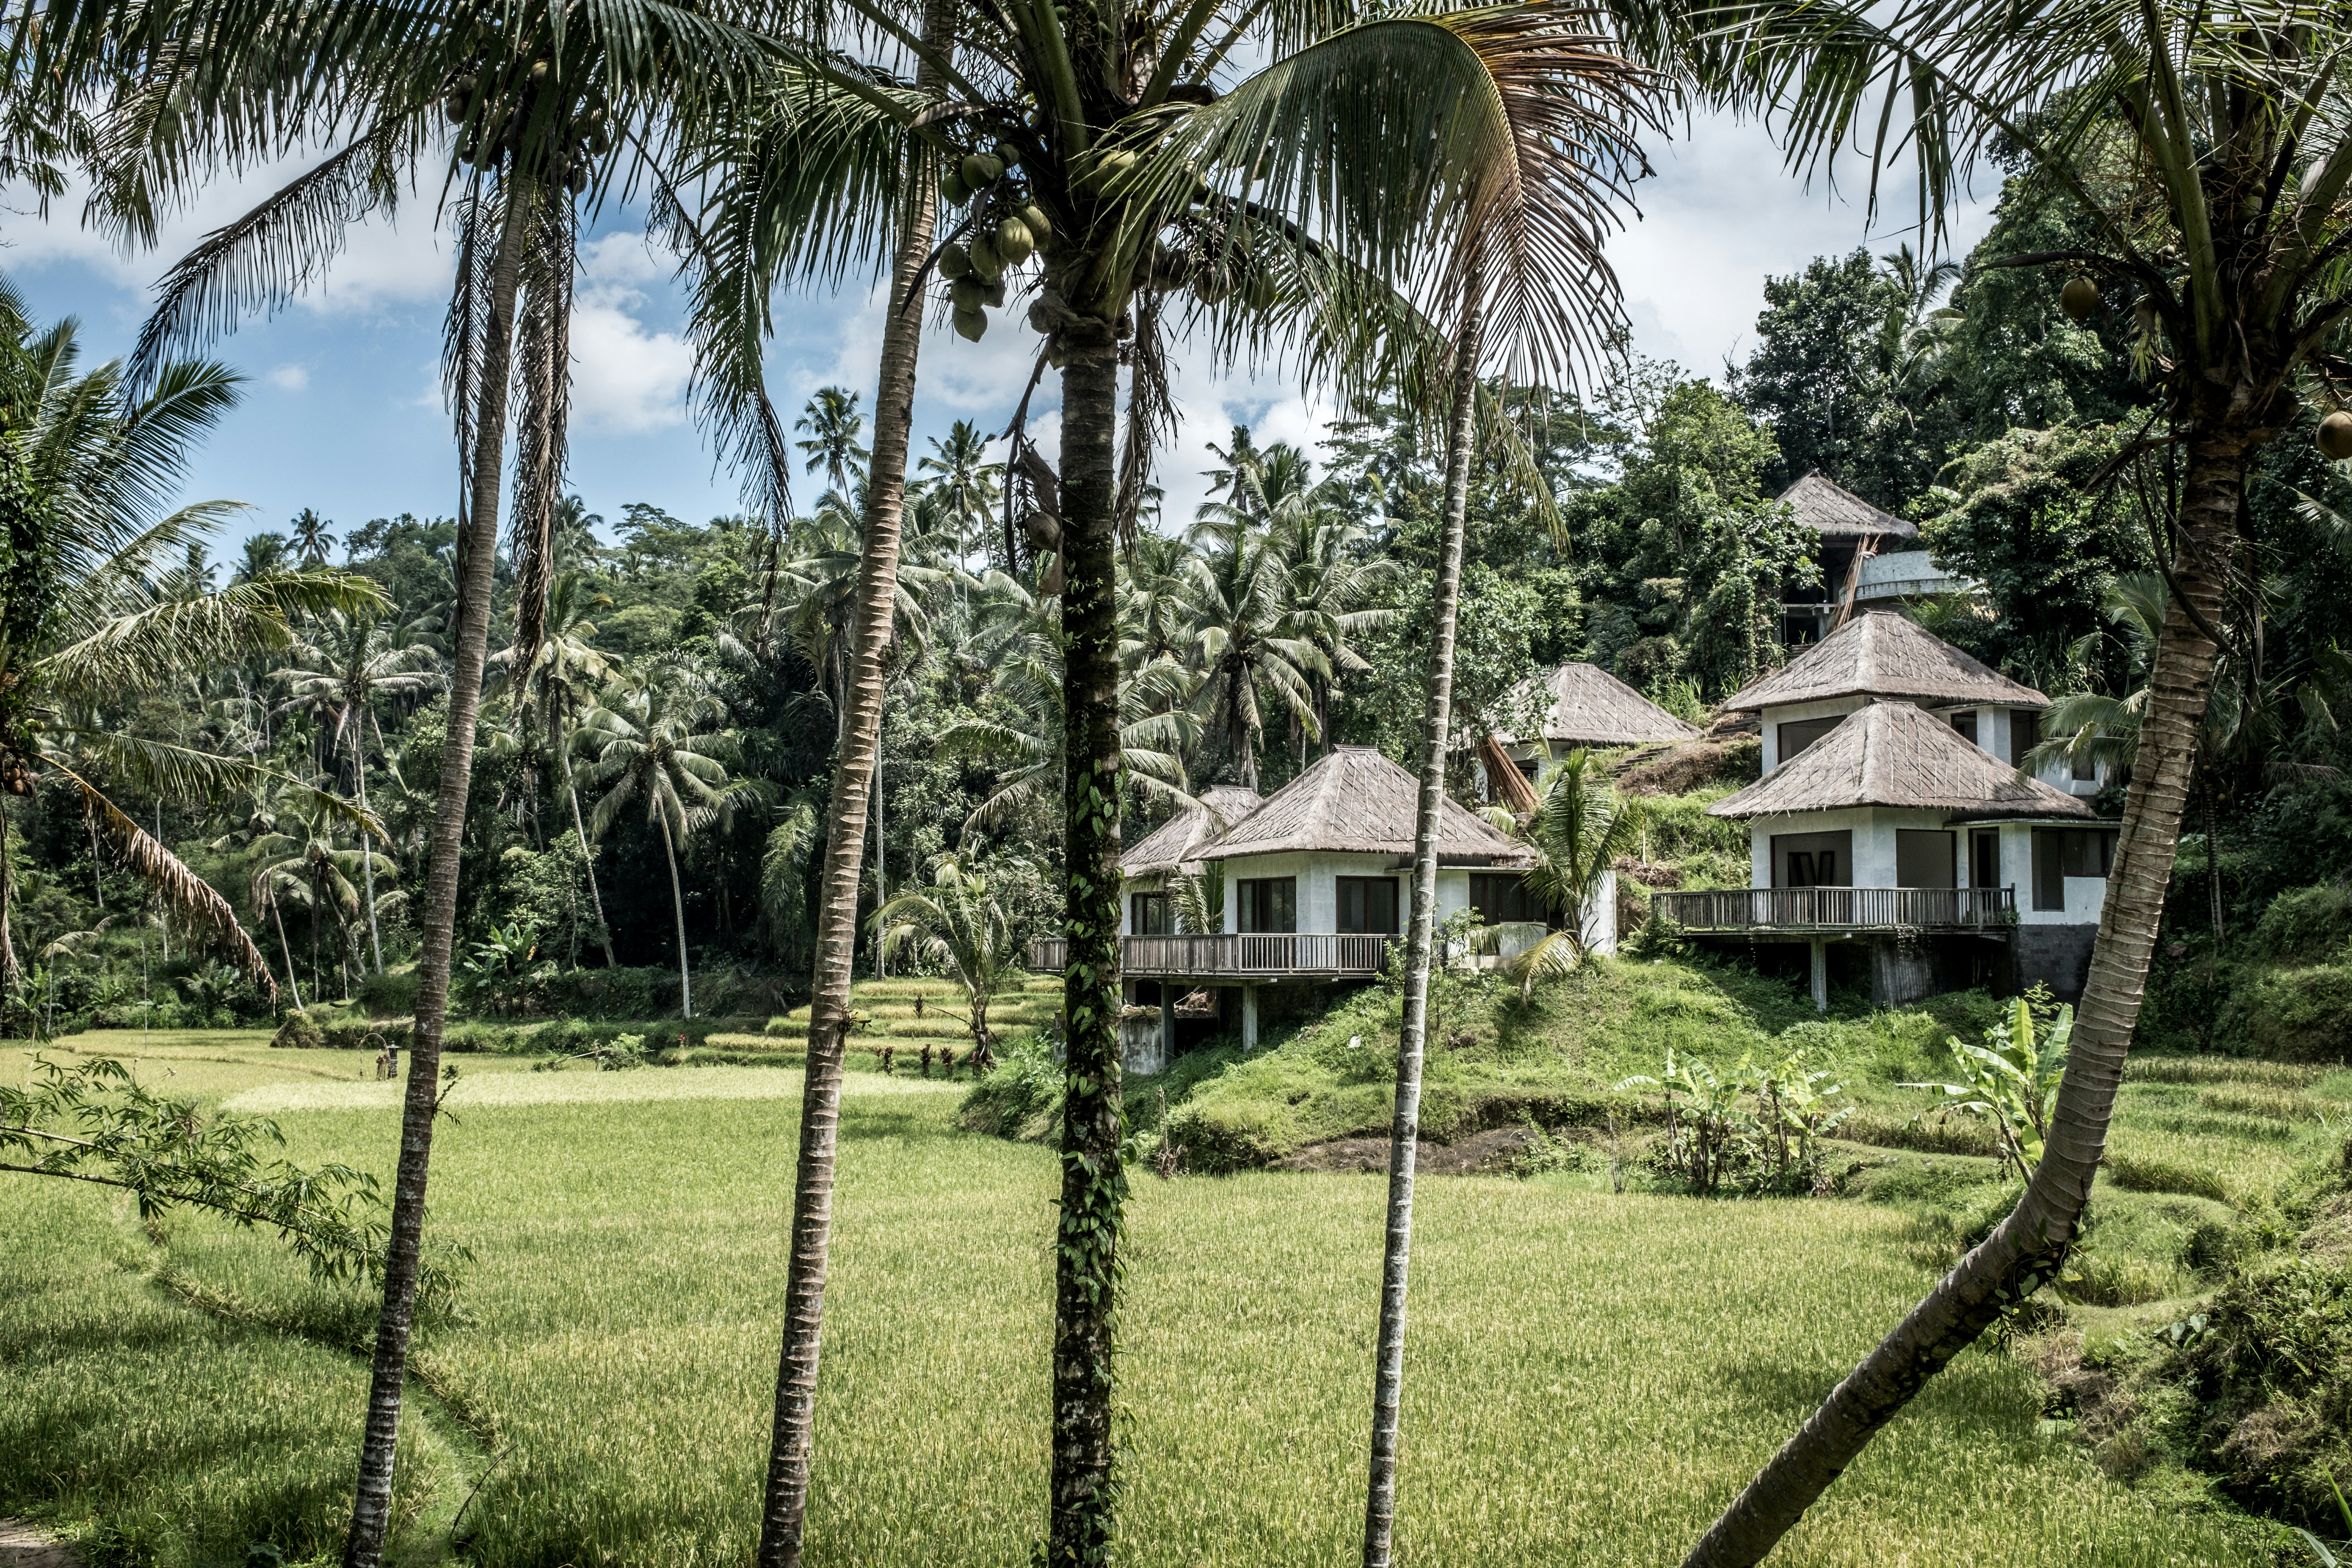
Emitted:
<point x="1094" y="1183"/>
<point x="588" y="856"/>
<point x="286" y="950"/>
<point x="784" y="1513"/>
<point x="1404" y="1134"/>
<point x="678" y="908"/>
<point x="367" y="851"/>
<point x="476" y="558"/>
<point x="2029" y="1247"/>
<point x="10" y="974"/>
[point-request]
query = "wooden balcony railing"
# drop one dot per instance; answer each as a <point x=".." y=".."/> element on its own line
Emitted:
<point x="1338" y="955"/>
<point x="1841" y="908"/>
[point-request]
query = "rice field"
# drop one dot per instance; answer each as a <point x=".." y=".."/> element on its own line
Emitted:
<point x="1592" y="1376"/>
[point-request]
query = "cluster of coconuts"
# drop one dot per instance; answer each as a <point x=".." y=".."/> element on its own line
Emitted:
<point x="494" y="108"/>
<point x="2080" y="301"/>
<point x="1007" y="229"/>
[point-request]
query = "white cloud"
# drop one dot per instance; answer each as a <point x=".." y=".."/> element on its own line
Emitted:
<point x="384" y="260"/>
<point x="627" y="378"/>
<point x="289" y="378"/>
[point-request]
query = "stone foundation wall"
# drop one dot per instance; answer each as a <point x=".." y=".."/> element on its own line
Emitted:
<point x="2058" y="956"/>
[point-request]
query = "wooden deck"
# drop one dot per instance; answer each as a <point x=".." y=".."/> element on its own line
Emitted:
<point x="1839" y="910"/>
<point x="1306" y="956"/>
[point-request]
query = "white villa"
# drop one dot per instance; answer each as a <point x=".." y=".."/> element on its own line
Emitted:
<point x="1892" y="818"/>
<point x="1586" y="705"/>
<point x="1316" y="882"/>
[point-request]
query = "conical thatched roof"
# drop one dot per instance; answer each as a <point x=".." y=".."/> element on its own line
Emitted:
<point x="1175" y="845"/>
<point x="1891" y="753"/>
<point x="1591" y="707"/>
<point x="1834" y="511"/>
<point x="1357" y="802"/>
<point x="1884" y="654"/>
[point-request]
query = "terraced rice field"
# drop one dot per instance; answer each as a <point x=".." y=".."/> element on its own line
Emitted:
<point x="1591" y="1375"/>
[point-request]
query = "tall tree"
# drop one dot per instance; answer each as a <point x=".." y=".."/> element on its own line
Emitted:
<point x="555" y="688"/>
<point x="346" y="663"/>
<point x="833" y="425"/>
<point x="911" y="171"/>
<point x="2208" y="155"/>
<point x="662" y="739"/>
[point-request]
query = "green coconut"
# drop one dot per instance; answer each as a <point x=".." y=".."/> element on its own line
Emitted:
<point x="971" y="325"/>
<point x="992" y="294"/>
<point x="1014" y="241"/>
<point x="1108" y="170"/>
<point x="986" y="264"/>
<point x="2335" y="436"/>
<point x="1258" y="290"/>
<point x="979" y="170"/>
<point x="1008" y="154"/>
<point x="2079" y="299"/>
<point x="1041" y="228"/>
<point x="954" y="261"/>
<point x="968" y="293"/>
<point x="953" y="192"/>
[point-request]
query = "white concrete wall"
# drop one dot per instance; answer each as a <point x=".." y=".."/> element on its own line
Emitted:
<point x="1125" y="906"/>
<point x="1319" y="886"/>
<point x="1773" y="718"/>
<point x="2086" y="896"/>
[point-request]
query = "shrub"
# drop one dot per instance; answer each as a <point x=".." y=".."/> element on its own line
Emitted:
<point x="2292" y="1015"/>
<point x="2307" y="923"/>
<point x="1022" y="1095"/>
<point x="388" y="996"/>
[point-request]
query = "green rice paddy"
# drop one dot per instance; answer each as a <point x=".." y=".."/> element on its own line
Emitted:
<point x="1592" y="1376"/>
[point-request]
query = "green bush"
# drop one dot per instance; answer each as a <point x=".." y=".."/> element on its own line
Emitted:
<point x="2291" y="1014"/>
<point x="388" y="996"/>
<point x="1022" y="1095"/>
<point x="2307" y="923"/>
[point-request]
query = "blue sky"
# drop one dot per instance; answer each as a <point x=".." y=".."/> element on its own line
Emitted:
<point x="344" y="413"/>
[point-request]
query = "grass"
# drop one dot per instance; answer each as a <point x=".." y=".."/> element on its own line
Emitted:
<point x="1592" y="1376"/>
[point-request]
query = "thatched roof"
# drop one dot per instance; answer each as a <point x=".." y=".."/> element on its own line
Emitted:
<point x="1175" y="845"/>
<point x="1831" y="509"/>
<point x="1357" y="802"/>
<point x="1591" y="707"/>
<point x="1891" y="753"/>
<point x="1884" y="654"/>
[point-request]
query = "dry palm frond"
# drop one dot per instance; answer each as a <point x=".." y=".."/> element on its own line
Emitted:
<point x="187" y="894"/>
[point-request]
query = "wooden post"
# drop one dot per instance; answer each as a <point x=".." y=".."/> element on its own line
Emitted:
<point x="1820" y="975"/>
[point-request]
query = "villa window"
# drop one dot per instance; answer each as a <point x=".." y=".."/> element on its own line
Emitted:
<point x="1812" y="859"/>
<point x="2063" y="852"/>
<point x="1924" y="859"/>
<point x="1500" y="898"/>
<point x="1965" y="725"/>
<point x="1267" y="904"/>
<point x="1796" y="734"/>
<point x="1148" y="914"/>
<point x="2025" y="734"/>
<point x="1369" y="904"/>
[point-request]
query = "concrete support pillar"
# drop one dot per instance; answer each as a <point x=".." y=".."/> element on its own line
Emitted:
<point x="1249" y="1017"/>
<point x="1167" y="1023"/>
<point x="1820" y="975"/>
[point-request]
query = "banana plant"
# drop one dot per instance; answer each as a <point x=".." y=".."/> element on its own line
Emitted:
<point x="2011" y="1079"/>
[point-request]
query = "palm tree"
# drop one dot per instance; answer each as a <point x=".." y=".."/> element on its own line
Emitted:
<point x="2206" y="156"/>
<point x="959" y="926"/>
<point x="1245" y="635"/>
<point x="84" y="624"/>
<point x="834" y="426"/>
<point x="1579" y="828"/>
<point x="306" y="860"/>
<point x="1280" y="211"/>
<point x="968" y="486"/>
<point x="1333" y="572"/>
<point x="660" y="739"/>
<point x="556" y="688"/>
<point x="311" y="539"/>
<point x="347" y="662"/>
<point x="547" y="104"/>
